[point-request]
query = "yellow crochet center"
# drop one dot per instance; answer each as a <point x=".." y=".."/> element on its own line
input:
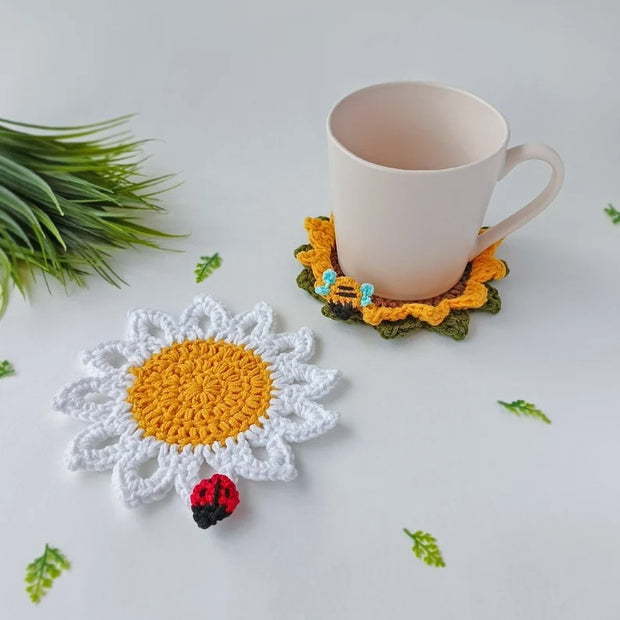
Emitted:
<point x="200" y="392"/>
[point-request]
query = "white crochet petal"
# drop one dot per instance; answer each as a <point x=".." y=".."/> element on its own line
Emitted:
<point x="299" y="380"/>
<point x="219" y="457"/>
<point x="153" y="327"/>
<point x="204" y="318"/>
<point x="278" y="465"/>
<point x="188" y="471"/>
<point x="92" y="398"/>
<point x="287" y="347"/>
<point x="310" y="420"/>
<point x="252" y="327"/>
<point x="85" y="451"/>
<point x="115" y="358"/>
<point x="131" y="487"/>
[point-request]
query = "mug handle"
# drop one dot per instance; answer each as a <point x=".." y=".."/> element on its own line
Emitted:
<point x="514" y="156"/>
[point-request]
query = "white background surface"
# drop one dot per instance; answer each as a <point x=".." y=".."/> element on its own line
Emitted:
<point x="527" y="515"/>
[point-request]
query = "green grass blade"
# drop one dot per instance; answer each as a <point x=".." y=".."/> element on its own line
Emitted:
<point x="13" y="227"/>
<point x="46" y="221"/>
<point x="21" y="210"/>
<point x="25" y="182"/>
<point x="100" y="126"/>
<point x="5" y="280"/>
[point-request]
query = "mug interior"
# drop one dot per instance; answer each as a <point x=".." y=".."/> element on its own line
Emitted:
<point x="417" y="126"/>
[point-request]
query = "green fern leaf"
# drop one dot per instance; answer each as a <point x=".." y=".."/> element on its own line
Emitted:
<point x="613" y="213"/>
<point x="522" y="408"/>
<point x="6" y="369"/>
<point x="41" y="572"/>
<point x="425" y="548"/>
<point x="206" y="266"/>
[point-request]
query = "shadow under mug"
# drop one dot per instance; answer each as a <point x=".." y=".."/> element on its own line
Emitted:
<point x="412" y="168"/>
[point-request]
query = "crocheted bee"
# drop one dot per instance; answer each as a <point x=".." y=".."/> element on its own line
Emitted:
<point x="343" y="294"/>
<point x="213" y="499"/>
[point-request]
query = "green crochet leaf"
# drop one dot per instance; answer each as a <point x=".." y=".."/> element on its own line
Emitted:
<point x="522" y="408"/>
<point x="41" y="573"/>
<point x="6" y="369"/>
<point x="425" y="548"/>
<point x="397" y="329"/>
<point x="302" y="248"/>
<point x="206" y="266"/>
<point x="305" y="281"/>
<point x="493" y="303"/>
<point x="455" y="325"/>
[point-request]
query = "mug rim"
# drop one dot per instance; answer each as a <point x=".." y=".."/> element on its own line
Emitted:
<point x="437" y="85"/>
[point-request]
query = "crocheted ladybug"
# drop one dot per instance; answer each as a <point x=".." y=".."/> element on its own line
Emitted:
<point x="213" y="499"/>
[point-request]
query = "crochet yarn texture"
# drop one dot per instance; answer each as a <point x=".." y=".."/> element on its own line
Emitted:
<point x="352" y="302"/>
<point x="207" y="389"/>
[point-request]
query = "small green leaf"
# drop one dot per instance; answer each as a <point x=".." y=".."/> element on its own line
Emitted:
<point x="522" y="408"/>
<point x="42" y="572"/>
<point x="52" y="571"/>
<point x="206" y="266"/>
<point x="59" y="558"/>
<point x="425" y="548"/>
<point x="613" y="213"/>
<point x="6" y="369"/>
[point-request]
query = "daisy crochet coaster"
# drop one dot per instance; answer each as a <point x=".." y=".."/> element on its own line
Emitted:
<point x="209" y="388"/>
<point x="347" y="300"/>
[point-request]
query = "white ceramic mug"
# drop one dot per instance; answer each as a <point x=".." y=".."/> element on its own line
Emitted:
<point x="412" y="167"/>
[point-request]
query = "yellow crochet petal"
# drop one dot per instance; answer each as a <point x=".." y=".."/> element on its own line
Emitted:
<point x="433" y="315"/>
<point x="321" y="232"/>
<point x="322" y="239"/>
<point x="484" y="267"/>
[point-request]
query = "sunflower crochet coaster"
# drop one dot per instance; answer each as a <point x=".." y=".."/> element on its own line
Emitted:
<point x="349" y="301"/>
<point x="207" y="389"/>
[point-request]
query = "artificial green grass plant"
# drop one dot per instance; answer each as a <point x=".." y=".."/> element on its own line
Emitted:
<point x="69" y="196"/>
